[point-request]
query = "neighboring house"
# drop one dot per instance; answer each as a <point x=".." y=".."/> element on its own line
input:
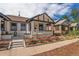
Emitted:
<point x="3" y="23"/>
<point x="11" y="24"/>
<point x="17" y="24"/>
<point x="62" y="26"/>
<point x="14" y="24"/>
<point x="74" y="26"/>
<point x="41" y="24"/>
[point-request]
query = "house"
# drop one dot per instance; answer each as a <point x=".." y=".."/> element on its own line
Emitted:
<point x="11" y="24"/>
<point x="74" y="26"/>
<point x="17" y="24"/>
<point x="3" y="22"/>
<point x="41" y="24"/>
<point x="62" y="26"/>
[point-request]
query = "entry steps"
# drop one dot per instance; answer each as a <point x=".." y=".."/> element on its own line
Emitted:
<point x="18" y="43"/>
<point x="18" y="37"/>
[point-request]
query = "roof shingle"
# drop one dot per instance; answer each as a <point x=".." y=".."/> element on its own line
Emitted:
<point x="17" y="18"/>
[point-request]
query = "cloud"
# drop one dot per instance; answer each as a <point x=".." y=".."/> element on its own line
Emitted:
<point x="30" y="10"/>
<point x="64" y="11"/>
<point x="58" y="9"/>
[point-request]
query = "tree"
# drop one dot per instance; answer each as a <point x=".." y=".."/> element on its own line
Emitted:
<point x="75" y="15"/>
<point x="65" y="17"/>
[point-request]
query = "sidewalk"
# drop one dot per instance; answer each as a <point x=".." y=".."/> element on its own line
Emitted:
<point x="37" y="49"/>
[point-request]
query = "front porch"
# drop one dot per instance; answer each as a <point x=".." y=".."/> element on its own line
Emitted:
<point x="38" y="27"/>
<point x="61" y="29"/>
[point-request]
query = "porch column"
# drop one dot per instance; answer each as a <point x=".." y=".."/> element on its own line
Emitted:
<point x="52" y="28"/>
<point x="7" y="26"/>
<point x="18" y="27"/>
<point x="32" y="28"/>
<point x="27" y="28"/>
<point x="0" y="28"/>
<point x="60" y="27"/>
<point x="44" y="27"/>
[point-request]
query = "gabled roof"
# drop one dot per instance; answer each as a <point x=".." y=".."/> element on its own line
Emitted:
<point x="4" y="17"/>
<point x="62" y="22"/>
<point x="33" y="18"/>
<point x="17" y="18"/>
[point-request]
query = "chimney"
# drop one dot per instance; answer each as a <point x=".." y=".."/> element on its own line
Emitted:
<point x="19" y="13"/>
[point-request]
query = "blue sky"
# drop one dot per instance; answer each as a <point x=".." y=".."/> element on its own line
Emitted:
<point x="75" y="5"/>
<point x="54" y="10"/>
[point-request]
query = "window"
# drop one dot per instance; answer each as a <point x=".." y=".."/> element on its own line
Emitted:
<point x="13" y="27"/>
<point x="23" y="27"/>
<point x="63" y="28"/>
<point x="2" y="26"/>
<point x="41" y="27"/>
<point x="56" y="27"/>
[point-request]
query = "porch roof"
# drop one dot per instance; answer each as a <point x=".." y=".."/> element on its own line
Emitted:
<point x="17" y="18"/>
<point x="60" y="22"/>
<point x="63" y="22"/>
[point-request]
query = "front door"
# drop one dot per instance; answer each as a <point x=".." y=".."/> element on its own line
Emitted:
<point x="41" y="27"/>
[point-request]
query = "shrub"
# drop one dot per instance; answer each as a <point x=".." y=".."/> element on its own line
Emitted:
<point x="72" y="34"/>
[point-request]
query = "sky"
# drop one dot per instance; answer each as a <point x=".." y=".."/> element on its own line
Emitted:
<point x="54" y="10"/>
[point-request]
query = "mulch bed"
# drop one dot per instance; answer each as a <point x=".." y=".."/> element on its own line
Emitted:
<point x="69" y="50"/>
<point x="42" y="40"/>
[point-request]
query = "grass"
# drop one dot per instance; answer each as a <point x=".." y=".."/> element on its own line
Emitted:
<point x="72" y="34"/>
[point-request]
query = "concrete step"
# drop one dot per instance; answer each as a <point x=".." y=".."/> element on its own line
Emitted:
<point x="18" y="43"/>
<point x="15" y="46"/>
<point x="18" y="40"/>
<point x="18" y="37"/>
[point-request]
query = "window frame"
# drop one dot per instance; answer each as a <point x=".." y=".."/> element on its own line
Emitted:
<point x="23" y="26"/>
<point x="15" y="29"/>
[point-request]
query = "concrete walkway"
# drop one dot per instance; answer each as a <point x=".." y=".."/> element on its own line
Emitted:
<point x="37" y="49"/>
